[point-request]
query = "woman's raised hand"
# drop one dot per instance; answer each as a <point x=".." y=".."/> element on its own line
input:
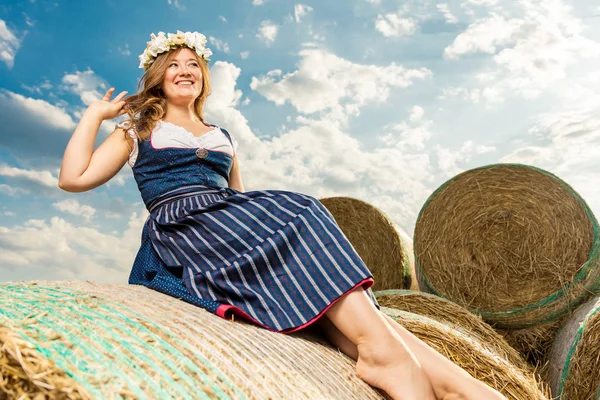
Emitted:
<point x="106" y="108"/>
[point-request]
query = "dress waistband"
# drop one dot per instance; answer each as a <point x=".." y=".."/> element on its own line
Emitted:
<point x="188" y="191"/>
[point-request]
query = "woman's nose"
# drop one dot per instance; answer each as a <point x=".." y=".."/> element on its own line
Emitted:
<point x="184" y="70"/>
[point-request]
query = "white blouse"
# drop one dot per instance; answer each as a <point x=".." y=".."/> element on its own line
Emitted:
<point x="168" y="135"/>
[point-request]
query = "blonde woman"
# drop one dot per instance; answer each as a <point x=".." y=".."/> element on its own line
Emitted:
<point x="275" y="258"/>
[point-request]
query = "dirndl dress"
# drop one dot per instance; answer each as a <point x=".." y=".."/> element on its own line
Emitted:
<point x="274" y="257"/>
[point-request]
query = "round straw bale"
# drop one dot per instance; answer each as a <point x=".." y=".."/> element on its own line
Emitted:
<point x="384" y="247"/>
<point x="454" y="316"/>
<point x="574" y="371"/>
<point x="471" y="355"/>
<point x="79" y="340"/>
<point x="510" y="242"/>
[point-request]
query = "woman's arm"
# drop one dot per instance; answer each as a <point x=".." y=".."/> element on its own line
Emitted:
<point x="235" y="176"/>
<point x="83" y="168"/>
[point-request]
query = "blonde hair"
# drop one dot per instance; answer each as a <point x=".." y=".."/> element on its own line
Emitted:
<point x="150" y="103"/>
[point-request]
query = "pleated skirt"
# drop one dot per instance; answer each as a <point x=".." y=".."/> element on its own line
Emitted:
<point x="276" y="258"/>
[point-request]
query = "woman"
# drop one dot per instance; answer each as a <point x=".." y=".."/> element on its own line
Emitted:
<point x="273" y="257"/>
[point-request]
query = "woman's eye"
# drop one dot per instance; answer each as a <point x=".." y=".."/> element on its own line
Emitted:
<point x="194" y="64"/>
<point x="173" y="64"/>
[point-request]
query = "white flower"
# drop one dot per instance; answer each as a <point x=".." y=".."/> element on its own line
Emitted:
<point x="206" y="54"/>
<point x="162" y="43"/>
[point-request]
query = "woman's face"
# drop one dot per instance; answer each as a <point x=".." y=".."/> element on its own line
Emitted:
<point x="183" y="77"/>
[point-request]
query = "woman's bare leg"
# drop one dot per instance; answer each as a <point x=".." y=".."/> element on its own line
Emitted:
<point x="448" y="380"/>
<point x="383" y="359"/>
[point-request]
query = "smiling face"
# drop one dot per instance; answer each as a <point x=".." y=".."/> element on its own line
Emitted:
<point x="183" y="77"/>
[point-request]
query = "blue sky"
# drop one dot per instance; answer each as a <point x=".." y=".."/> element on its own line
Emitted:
<point x="375" y="99"/>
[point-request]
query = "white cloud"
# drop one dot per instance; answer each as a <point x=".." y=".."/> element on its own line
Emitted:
<point x="376" y="2"/>
<point x="445" y="10"/>
<point x="222" y="18"/>
<point x="9" y="44"/>
<point x="28" y="21"/>
<point x="566" y="142"/>
<point x="176" y="4"/>
<point x="223" y="93"/>
<point x="392" y="177"/>
<point x="44" y="178"/>
<point x="52" y="115"/>
<point x="530" y="53"/>
<point x="33" y="128"/>
<point x="258" y="2"/>
<point x="72" y="206"/>
<point x="86" y="85"/>
<point x="394" y="25"/>
<point x="220" y="106"/>
<point x="9" y="214"/>
<point x="485" y="35"/>
<point x="219" y="44"/>
<point x="448" y="159"/>
<point x="244" y="54"/>
<point x="325" y="81"/>
<point x="12" y="191"/>
<point x="124" y="50"/>
<point x="301" y="10"/>
<point x="55" y="249"/>
<point x="416" y="113"/>
<point x="46" y="85"/>
<point x="267" y="32"/>
<point x="483" y="2"/>
<point x="488" y="95"/>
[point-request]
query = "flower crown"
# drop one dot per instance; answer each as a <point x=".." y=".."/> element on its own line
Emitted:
<point x="161" y="43"/>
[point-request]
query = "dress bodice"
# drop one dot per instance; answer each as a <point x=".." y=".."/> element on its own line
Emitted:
<point x="158" y="171"/>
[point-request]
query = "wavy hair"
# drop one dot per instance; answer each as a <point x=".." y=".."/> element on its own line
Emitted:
<point x="150" y="103"/>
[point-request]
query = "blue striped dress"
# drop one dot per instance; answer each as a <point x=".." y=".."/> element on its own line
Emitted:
<point x="276" y="258"/>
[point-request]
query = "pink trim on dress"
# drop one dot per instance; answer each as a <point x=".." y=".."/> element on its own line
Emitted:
<point x="226" y="310"/>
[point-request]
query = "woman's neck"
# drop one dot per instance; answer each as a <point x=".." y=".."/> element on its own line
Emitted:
<point x="180" y="113"/>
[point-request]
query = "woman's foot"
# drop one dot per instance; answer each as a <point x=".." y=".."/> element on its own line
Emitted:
<point x="393" y="369"/>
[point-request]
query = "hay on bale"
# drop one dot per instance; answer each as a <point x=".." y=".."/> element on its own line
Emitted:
<point x="384" y="247"/>
<point x="471" y="355"/>
<point x="129" y="341"/>
<point x="534" y="343"/>
<point x="26" y="374"/>
<point x="511" y="242"/>
<point x="454" y="316"/>
<point x="574" y="371"/>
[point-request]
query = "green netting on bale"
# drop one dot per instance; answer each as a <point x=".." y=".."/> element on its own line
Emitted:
<point x="107" y="348"/>
<point x="574" y="362"/>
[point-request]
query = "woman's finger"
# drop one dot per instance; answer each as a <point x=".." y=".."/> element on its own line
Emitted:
<point x="119" y="97"/>
<point x="109" y="93"/>
<point x="123" y="108"/>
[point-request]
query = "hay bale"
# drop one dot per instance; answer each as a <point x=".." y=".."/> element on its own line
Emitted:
<point x="470" y="354"/>
<point x="384" y="247"/>
<point x="79" y="340"/>
<point x="453" y="315"/>
<point x="510" y="242"/>
<point x="574" y="370"/>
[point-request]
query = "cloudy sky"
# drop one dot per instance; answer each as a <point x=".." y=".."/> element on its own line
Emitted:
<point x="382" y="100"/>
